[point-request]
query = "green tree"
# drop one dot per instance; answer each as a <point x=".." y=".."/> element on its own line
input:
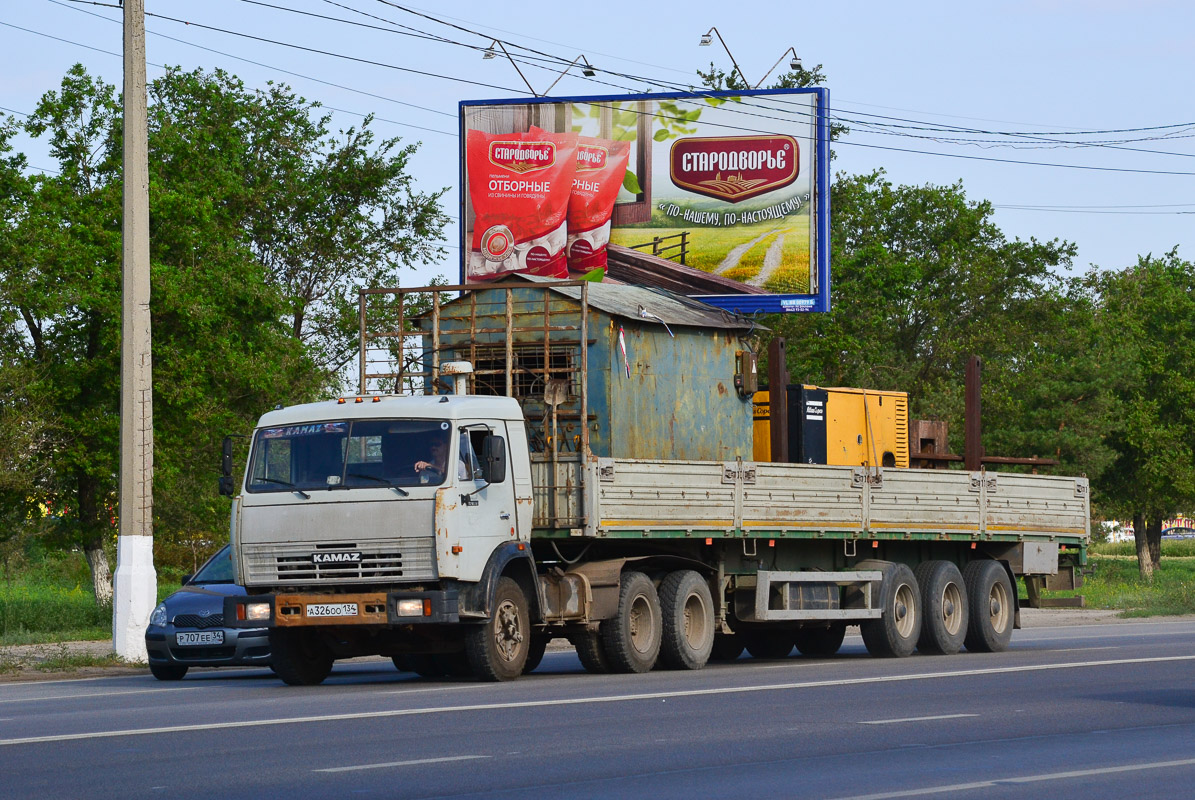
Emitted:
<point x="1147" y="317"/>
<point x="262" y="225"/>
<point x="324" y="214"/>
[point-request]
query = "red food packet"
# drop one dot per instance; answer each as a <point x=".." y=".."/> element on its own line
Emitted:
<point x="519" y="185"/>
<point x="601" y="166"/>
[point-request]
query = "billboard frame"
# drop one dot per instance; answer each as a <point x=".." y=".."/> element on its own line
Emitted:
<point x="818" y="301"/>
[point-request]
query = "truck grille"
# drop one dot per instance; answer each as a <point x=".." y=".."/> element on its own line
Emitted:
<point x="291" y="563"/>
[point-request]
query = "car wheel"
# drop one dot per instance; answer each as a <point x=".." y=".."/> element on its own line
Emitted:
<point x="168" y="672"/>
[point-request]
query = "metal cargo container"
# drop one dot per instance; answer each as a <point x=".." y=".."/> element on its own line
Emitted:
<point x="661" y="368"/>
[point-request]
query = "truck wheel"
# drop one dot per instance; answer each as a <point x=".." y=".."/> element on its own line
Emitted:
<point x="299" y="657"/>
<point x="821" y="642"/>
<point x="943" y="607"/>
<point x="589" y="649"/>
<point x="896" y="632"/>
<point x="727" y="647"/>
<point x="688" y="611"/>
<point x="631" y="640"/>
<point x="535" y="652"/>
<point x="168" y="672"/>
<point x="498" y="649"/>
<point x="768" y="643"/>
<point x="989" y="593"/>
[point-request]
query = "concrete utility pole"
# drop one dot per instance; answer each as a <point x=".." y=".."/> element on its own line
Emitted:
<point x="136" y="583"/>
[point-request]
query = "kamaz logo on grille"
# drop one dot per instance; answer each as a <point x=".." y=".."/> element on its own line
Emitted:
<point x="336" y="558"/>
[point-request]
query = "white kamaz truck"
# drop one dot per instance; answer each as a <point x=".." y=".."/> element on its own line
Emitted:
<point x="588" y="474"/>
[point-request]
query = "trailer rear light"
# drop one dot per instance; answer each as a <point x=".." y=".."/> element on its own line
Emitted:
<point x="414" y="607"/>
<point x="709" y="540"/>
<point x="253" y="611"/>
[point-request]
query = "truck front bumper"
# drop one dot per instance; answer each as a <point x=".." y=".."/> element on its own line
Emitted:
<point x="385" y="609"/>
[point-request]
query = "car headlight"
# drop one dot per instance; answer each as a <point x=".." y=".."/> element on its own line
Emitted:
<point x="159" y="615"/>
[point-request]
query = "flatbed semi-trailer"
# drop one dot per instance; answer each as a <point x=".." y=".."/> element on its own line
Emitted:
<point x="539" y="527"/>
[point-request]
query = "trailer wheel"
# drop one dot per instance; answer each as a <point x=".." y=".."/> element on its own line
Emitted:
<point x="768" y="643"/>
<point x="588" y="645"/>
<point x="989" y="592"/>
<point x="299" y="657"/>
<point x="896" y="632"/>
<point x="497" y="650"/>
<point x="631" y="639"/>
<point x="535" y="651"/>
<point x="727" y="647"/>
<point x="688" y="611"/>
<point x="943" y="607"/>
<point x="821" y="642"/>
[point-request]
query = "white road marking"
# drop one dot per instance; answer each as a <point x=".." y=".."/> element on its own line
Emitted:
<point x="1088" y="649"/>
<point x="411" y="763"/>
<point x="574" y="701"/>
<point x="913" y="719"/>
<point x="1049" y="776"/>
<point x="36" y="699"/>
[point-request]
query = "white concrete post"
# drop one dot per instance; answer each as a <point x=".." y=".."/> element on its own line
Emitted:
<point x="136" y="584"/>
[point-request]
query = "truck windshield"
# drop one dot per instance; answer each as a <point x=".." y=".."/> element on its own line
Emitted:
<point x="345" y="454"/>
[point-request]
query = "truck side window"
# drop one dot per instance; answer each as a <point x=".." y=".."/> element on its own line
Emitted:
<point x="470" y="467"/>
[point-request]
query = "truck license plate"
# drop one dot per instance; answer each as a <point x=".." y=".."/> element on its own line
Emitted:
<point x="331" y="609"/>
<point x="200" y="638"/>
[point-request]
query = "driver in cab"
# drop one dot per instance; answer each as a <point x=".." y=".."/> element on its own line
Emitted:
<point x="437" y="463"/>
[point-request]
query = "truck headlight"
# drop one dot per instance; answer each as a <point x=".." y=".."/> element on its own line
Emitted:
<point x="257" y="611"/>
<point x="413" y="607"/>
<point x="158" y="617"/>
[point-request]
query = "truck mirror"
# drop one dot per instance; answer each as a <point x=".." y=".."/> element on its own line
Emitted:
<point x="226" y="457"/>
<point x="493" y="459"/>
<point x="227" y="488"/>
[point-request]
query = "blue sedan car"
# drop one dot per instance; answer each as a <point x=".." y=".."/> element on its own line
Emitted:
<point x="187" y="628"/>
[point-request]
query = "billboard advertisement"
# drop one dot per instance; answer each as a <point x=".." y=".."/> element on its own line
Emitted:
<point x="718" y="195"/>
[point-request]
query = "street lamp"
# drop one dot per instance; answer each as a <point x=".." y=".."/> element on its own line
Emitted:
<point x="707" y="38"/>
<point x="587" y="69"/>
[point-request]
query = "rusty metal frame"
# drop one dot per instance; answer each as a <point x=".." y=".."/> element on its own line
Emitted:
<point x="546" y="327"/>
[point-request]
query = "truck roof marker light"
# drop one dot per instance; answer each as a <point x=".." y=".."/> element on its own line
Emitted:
<point x="359" y="400"/>
<point x="340" y="401"/>
<point x="377" y="398"/>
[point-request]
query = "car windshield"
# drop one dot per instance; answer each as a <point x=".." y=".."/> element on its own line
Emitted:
<point x="346" y="454"/>
<point x="217" y="569"/>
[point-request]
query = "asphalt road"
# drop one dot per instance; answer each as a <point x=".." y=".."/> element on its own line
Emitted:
<point x="1086" y="711"/>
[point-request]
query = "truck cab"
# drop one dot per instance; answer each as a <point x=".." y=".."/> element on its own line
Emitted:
<point x="412" y="495"/>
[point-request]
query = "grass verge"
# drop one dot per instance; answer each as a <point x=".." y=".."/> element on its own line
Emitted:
<point x="1116" y="583"/>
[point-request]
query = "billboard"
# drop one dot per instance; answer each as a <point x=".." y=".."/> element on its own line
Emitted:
<point x="718" y="195"/>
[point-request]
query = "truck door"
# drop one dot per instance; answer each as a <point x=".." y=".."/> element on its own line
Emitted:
<point x="472" y="516"/>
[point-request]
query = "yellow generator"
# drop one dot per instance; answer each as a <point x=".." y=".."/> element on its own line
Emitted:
<point x="840" y="426"/>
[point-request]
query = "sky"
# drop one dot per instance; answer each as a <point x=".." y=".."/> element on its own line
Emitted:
<point x="1079" y="115"/>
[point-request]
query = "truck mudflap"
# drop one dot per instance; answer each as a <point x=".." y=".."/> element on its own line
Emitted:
<point x="386" y="609"/>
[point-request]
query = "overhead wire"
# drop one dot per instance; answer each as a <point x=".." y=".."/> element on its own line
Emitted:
<point x="737" y="110"/>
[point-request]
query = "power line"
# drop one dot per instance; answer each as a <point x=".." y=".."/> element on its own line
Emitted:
<point x="287" y="72"/>
<point x="331" y="54"/>
<point x="843" y="142"/>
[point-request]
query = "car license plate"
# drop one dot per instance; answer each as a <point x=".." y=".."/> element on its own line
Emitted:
<point x="199" y="638"/>
<point x="331" y="609"/>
